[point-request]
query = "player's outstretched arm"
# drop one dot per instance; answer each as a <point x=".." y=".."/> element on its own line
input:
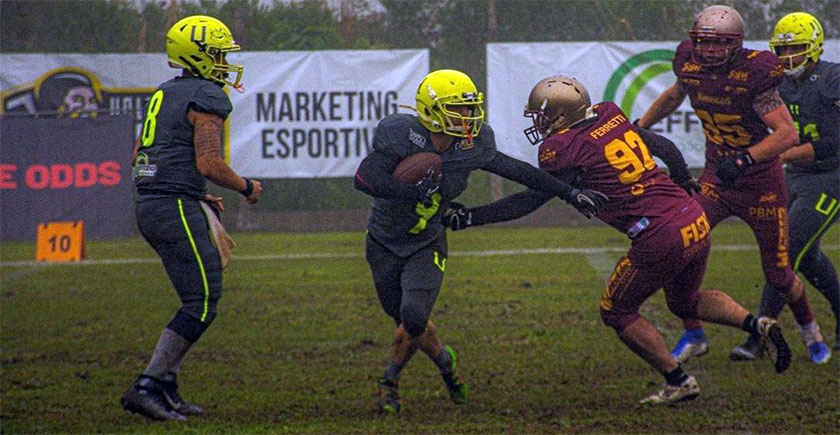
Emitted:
<point x="664" y="105"/>
<point x="511" y="207"/>
<point x="588" y="202"/>
<point x="207" y="139"/>
<point x="804" y="153"/>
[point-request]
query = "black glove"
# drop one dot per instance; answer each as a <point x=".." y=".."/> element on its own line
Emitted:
<point x="588" y="202"/>
<point x="690" y="185"/>
<point x="427" y="186"/>
<point x="728" y="168"/>
<point x="457" y="217"/>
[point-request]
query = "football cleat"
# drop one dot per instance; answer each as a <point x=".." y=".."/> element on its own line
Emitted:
<point x="819" y="353"/>
<point x="692" y="343"/>
<point x="145" y="397"/>
<point x="774" y="343"/>
<point x="389" y="396"/>
<point x="751" y="349"/>
<point x="170" y="393"/>
<point x="687" y="390"/>
<point x="458" y="390"/>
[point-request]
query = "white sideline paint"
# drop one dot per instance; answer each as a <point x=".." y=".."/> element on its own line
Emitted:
<point x="317" y="255"/>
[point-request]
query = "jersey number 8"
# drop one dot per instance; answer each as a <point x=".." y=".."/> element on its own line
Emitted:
<point x="150" y="123"/>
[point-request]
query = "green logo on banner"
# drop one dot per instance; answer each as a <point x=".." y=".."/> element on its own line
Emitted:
<point x="657" y="62"/>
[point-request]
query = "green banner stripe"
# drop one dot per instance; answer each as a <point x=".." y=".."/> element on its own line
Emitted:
<point x="639" y="82"/>
<point x="633" y="62"/>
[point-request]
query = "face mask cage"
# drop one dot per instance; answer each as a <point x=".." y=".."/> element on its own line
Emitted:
<point x="712" y="51"/>
<point x="222" y="70"/>
<point x="540" y="124"/>
<point x="459" y="124"/>
<point x="800" y="49"/>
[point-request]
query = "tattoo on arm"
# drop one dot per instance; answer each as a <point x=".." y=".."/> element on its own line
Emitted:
<point x="767" y="101"/>
<point x="207" y="139"/>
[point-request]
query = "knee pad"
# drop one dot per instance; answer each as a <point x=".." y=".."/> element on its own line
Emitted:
<point x="188" y="326"/>
<point x="414" y="319"/>
<point x="618" y="321"/>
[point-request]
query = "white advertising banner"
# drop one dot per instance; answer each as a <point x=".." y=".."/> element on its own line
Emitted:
<point x="631" y="74"/>
<point x="302" y="115"/>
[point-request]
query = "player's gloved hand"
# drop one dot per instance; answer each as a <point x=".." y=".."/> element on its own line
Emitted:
<point x="428" y="186"/>
<point x="728" y="168"/>
<point x="587" y="202"/>
<point x="457" y="217"/>
<point x="690" y="185"/>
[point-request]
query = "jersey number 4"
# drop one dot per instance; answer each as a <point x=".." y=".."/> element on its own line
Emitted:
<point x="149" y="125"/>
<point x="630" y="156"/>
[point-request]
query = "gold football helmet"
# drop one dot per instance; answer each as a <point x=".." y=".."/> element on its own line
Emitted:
<point x="716" y="35"/>
<point x="199" y="44"/>
<point x="801" y="32"/>
<point x="555" y="103"/>
<point x="448" y="102"/>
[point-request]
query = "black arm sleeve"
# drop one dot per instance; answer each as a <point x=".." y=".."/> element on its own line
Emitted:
<point x="510" y="207"/>
<point x="527" y="175"/>
<point x="665" y="149"/>
<point x="375" y="178"/>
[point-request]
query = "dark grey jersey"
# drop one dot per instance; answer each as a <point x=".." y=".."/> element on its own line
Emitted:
<point x="815" y="106"/>
<point x="403" y="225"/>
<point x="165" y="164"/>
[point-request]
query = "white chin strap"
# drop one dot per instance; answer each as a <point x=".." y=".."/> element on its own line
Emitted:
<point x="796" y="72"/>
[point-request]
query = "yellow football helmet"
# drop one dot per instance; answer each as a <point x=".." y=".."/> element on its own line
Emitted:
<point x="798" y="29"/>
<point x="199" y="44"/>
<point x="442" y="91"/>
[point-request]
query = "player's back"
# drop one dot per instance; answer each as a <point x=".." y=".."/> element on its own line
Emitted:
<point x="723" y="98"/>
<point x="609" y="156"/>
<point x="165" y="164"/>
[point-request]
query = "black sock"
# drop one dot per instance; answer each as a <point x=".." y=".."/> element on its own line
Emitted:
<point x="676" y="376"/>
<point x="444" y="362"/>
<point x="392" y="373"/>
<point x="750" y="325"/>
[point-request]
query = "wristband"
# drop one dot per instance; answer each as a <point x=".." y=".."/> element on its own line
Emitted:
<point x="249" y="188"/>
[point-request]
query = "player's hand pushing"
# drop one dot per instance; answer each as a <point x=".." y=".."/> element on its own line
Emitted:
<point x="588" y="202"/>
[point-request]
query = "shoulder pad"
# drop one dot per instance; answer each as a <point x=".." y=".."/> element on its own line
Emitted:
<point x="210" y="98"/>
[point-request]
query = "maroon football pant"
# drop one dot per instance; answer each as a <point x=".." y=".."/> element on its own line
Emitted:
<point x="673" y="258"/>
<point x="762" y="204"/>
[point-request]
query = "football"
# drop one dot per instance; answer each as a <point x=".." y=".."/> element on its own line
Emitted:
<point x="414" y="167"/>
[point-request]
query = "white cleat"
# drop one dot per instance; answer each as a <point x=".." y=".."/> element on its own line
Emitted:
<point x="688" y="390"/>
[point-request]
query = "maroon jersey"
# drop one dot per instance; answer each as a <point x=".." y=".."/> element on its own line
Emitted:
<point x="611" y="157"/>
<point x="722" y="97"/>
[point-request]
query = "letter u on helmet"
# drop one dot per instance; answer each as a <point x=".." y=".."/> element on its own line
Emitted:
<point x="798" y="29"/>
<point x="438" y="98"/>
<point x="716" y="35"/>
<point x="199" y="44"/>
<point x="556" y="103"/>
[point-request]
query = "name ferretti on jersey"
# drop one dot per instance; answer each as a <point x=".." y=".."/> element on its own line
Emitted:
<point x="328" y="124"/>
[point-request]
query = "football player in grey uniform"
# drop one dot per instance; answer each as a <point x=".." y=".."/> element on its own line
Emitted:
<point x="178" y="150"/>
<point x="406" y="240"/>
<point x="811" y="90"/>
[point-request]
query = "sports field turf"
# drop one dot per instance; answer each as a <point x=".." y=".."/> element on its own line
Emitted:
<point x="300" y="340"/>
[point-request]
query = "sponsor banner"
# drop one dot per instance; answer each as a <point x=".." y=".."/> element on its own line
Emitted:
<point x="312" y="114"/>
<point x="631" y="74"/>
<point x="66" y="170"/>
<point x="303" y="114"/>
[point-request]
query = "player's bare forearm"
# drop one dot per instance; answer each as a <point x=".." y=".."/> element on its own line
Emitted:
<point x="777" y="117"/>
<point x="799" y="154"/>
<point x="136" y="150"/>
<point x="664" y="105"/>
<point x="207" y="139"/>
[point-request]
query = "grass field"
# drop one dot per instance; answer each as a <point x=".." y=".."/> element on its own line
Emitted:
<point x="300" y="339"/>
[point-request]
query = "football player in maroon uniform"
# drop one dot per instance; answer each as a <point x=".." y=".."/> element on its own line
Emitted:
<point x="733" y="91"/>
<point x="601" y="150"/>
